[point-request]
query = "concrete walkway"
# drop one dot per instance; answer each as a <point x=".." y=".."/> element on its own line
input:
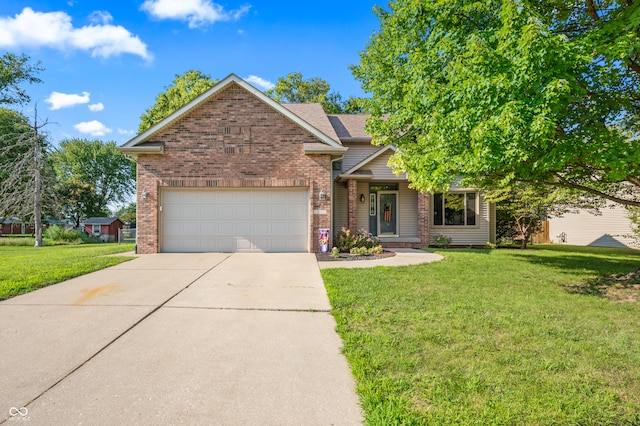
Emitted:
<point x="403" y="257"/>
<point x="178" y="339"/>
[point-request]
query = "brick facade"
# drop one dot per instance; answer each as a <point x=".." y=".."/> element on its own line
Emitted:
<point x="232" y="140"/>
<point x="352" y="204"/>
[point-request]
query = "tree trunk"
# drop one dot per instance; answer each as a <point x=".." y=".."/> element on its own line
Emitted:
<point x="37" y="204"/>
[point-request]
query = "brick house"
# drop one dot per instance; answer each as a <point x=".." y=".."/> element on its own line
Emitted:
<point x="233" y="170"/>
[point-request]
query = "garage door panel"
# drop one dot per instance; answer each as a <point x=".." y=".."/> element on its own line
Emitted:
<point x="235" y="220"/>
<point x="244" y="212"/>
<point x="243" y="243"/>
<point x="244" y="228"/>
<point x="297" y="228"/>
<point x="208" y="229"/>
<point x="278" y="229"/>
<point x="226" y="228"/>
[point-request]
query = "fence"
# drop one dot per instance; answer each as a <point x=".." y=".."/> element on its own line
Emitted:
<point x="126" y="236"/>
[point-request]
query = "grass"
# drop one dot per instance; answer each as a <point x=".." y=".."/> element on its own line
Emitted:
<point x="495" y="337"/>
<point x="24" y="269"/>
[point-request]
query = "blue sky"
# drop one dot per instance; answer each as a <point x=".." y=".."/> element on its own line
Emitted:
<point x="106" y="61"/>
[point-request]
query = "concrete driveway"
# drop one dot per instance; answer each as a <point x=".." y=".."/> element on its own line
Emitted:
<point x="178" y="339"/>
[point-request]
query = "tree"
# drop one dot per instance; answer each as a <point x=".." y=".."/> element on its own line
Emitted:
<point x="26" y="173"/>
<point x="294" y="89"/>
<point x="78" y="200"/>
<point x="95" y="172"/>
<point x="15" y="70"/>
<point x="503" y="91"/>
<point x="181" y="91"/>
<point x="127" y="213"/>
<point x="521" y="208"/>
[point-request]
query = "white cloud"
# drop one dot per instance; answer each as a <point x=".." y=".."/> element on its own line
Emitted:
<point x="96" y="107"/>
<point x="261" y="82"/>
<point x="55" y="30"/>
<point x="125" y="132"/>
<point x="197" y="12"/>
<point x="94" y="128"/>
<point x="100" y="17"/>
<point x="66" y="100"/>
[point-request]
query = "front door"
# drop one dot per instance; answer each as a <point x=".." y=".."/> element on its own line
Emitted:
<point x="387" y="213"/>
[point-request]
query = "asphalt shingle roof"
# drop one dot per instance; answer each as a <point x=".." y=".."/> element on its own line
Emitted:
<point x="100" y="220"/>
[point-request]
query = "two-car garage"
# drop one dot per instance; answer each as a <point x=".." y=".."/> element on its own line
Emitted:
<point x="231" y="220"/>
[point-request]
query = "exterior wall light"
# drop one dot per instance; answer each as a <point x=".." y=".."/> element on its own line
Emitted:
<point x="144" y="195"/>
<point x="322" y="196"/>
<point x="362" y="199"/>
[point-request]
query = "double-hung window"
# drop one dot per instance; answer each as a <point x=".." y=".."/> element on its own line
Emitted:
<point x="455" y="209"/>
<point x="95" y="229"/>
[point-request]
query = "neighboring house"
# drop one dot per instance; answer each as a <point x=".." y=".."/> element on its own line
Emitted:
<point x="612" y="228"/>
<point x="14" y="225"/>
<point x="103" y="228"/>
<point x="234" y="170"/>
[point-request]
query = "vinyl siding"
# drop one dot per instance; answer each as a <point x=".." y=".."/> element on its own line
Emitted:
<point x="477" y="235"/>
<point x="362" y="215"/>
<point x="611" y="229"/>
<point x="340" y="206"/>
<point x="381" y="170"/>
<point x="356" y="153"/>
<point x="408" y="203"/>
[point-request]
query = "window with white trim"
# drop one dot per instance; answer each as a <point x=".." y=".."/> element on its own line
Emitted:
<point x="455" y="209"/>
<point x="95" y="229"/>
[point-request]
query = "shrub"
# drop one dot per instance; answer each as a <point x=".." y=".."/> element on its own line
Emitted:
<point x="346" y="241"/>
<point x="58" y="233"/>
<point x="376" y="250"/>
<point x="362" y="251"/>
<point x="335" y="252"/>
<point x="442" y="240"/>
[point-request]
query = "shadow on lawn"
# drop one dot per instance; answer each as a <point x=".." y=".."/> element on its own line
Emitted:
<point x="620" y="287"/>
<point x="616" y="271"/>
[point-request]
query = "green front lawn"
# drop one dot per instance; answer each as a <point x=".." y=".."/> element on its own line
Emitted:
<point x="494" y="337"/>
<point x="24" y="269"/>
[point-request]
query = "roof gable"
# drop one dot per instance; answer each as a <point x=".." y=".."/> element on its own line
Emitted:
<point x="367" y="160"/>
<point x="140" y="143"/>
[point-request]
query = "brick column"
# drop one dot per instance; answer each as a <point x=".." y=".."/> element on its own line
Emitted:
<point x="352" y="198"/>
<point x="423" y="219"/>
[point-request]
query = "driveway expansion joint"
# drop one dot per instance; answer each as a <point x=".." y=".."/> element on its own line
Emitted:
<point x="221" y="308"/>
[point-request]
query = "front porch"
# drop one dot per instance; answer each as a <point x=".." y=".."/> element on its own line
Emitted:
<point x="388" y="209"/>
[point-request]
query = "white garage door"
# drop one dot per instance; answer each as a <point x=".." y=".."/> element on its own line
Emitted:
<point x="229" y="220"/>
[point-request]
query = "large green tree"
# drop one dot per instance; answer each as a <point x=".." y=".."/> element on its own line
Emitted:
<point x="505" y="91"/>
<point x="78" y="200"/>
<point x="93" y="172"/>
<point x="294" y="89"/>
<point x="15" y="70"/>
<point x="184" y="88"/>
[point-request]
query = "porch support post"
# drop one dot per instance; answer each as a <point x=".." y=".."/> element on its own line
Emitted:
<point x="423" y="218"/>
<point x="352" y="198"/>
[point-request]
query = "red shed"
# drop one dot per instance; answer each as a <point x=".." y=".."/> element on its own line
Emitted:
<point x="104" y="228"/>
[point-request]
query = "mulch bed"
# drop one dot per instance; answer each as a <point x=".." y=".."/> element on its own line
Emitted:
<point x="326" y="257"/>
